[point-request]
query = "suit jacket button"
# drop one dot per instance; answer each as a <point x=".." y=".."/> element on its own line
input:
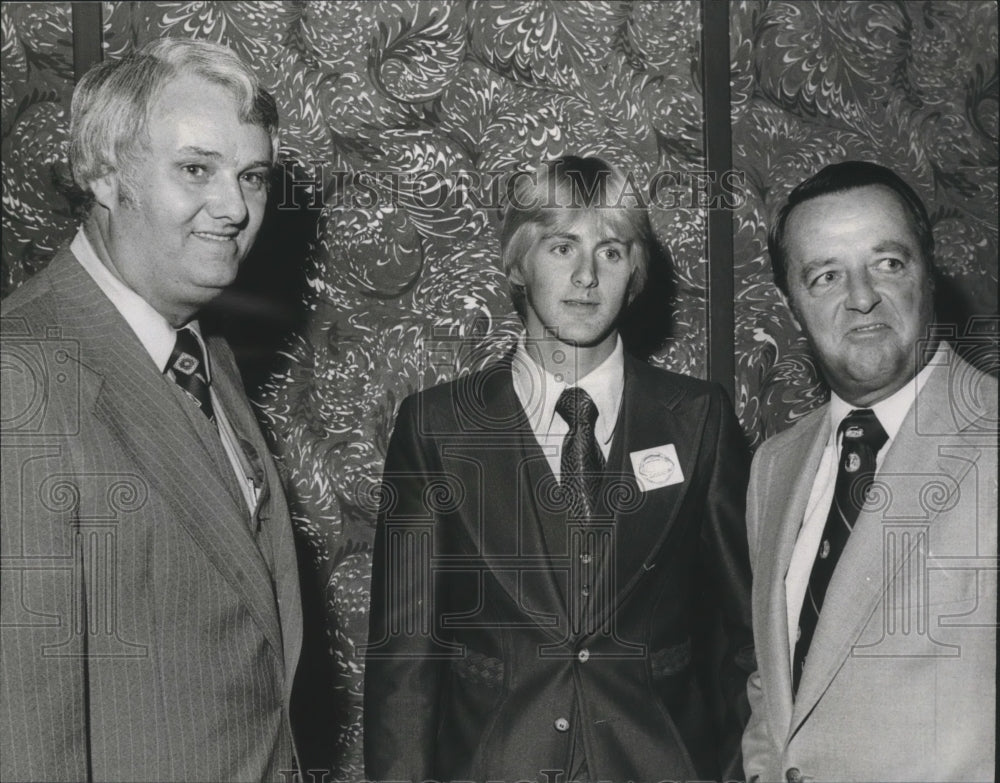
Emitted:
<point x="561" y="724"/>
<point x="794" y="775"/>
<point x="583" y="656"/>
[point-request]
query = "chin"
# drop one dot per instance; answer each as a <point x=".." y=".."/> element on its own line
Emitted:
<point x="873" y="388"/>
<point x="200" y="293"/>
<point x="220" y="276"/>
<point x="588" y="341"/>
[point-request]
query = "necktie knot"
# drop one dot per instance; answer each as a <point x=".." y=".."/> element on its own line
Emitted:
<point x="186" y="367"/>
<point x="577" y="408"/>
<point x="863" y="427"/>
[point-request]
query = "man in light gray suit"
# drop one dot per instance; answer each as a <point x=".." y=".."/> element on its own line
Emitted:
<point x="151" y="620"/>
<point x="873" y="521"/>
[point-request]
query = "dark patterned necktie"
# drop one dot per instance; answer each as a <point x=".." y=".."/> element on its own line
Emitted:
<point x="186" y="368"/>
<point x="863" y="436"/>
<point x="582" y="462"/>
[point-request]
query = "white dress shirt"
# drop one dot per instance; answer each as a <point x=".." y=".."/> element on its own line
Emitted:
<point x="538" y="392"/>
<point x="890" y="412"/>
<point x="158" y="338"/>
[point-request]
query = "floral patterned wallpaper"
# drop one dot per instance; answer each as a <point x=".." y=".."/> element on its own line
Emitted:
<point x="377" y="272"/>
<point x="912" y="86"/>
<point x="36" y="55"/>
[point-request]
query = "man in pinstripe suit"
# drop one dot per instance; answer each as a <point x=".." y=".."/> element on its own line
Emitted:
<point x="151" y="616"/>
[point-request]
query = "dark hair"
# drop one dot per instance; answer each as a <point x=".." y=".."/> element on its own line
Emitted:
<point x="537" y="199"/>
<point x="837" y="178"/>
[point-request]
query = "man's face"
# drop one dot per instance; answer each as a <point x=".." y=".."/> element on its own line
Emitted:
<point x="860" y="288"/>
<point x="183" y="217"/>
<point x="576" y="279"/>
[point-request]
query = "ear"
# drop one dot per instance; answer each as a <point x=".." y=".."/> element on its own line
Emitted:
<point x="515" y="275"/>
<point x="106" y="189"/>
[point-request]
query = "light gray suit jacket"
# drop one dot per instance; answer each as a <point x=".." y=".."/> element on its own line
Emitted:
<point x="149" y="631"/>
<point x="901" y="680"/>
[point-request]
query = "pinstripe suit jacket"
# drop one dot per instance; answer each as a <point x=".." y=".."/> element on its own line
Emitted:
<point x="150" y="630"/>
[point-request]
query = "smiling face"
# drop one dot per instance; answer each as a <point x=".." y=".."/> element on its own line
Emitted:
<point x="860" y="288"/>
<point x="576" y="278"/>
<point x="177" y="224"/>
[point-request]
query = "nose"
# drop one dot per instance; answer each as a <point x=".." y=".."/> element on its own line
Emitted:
<point x="585" y="271"/>
<point x="861" y="294"/>
<point x="226" y="201"/>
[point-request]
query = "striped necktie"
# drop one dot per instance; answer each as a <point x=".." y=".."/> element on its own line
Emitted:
<point x="862" y="436"/>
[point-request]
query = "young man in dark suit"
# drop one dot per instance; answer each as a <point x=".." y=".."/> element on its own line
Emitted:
<point x="560" y="588"/>
<point x="152" y="621"/>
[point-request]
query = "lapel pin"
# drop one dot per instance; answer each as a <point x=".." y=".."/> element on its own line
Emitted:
<point x="656" y="467"/>
<point x="853" y="463"/>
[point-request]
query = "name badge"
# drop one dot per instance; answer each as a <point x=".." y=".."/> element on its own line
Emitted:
<point x="656" y="467"/>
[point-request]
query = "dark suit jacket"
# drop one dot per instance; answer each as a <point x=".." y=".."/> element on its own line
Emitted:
<point x="150" y="632"/>
<point x="483" y="653"/>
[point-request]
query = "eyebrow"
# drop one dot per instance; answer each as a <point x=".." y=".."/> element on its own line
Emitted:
<point x="560" y="235"/>
<point x="808" y="267"/>
<point x="202" y="152"/>
<point x="885" y="246"/>
<point x="894" y="247"/>
<point x="191" y="149"/>
<point x="576" y="238"/>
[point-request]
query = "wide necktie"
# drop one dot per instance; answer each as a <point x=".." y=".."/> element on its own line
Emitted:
<point x="582" y="462"/>
<point x="186" y="368"/>
<point x="862" y="436"/>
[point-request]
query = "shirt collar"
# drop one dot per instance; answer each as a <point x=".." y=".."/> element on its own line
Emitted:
<point x="893" y="409"/>
<point x="538" y="390"/>
<point x="154" y="332"/>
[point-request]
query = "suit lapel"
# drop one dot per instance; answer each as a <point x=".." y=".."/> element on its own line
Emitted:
<point x="146" y="417"/>
<point x="515" y="520"/>
<point x="272" y="510"/>
<point x="861" y="580"/>
<point x="795" y="465"/>
<point x="643" y="521"/>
